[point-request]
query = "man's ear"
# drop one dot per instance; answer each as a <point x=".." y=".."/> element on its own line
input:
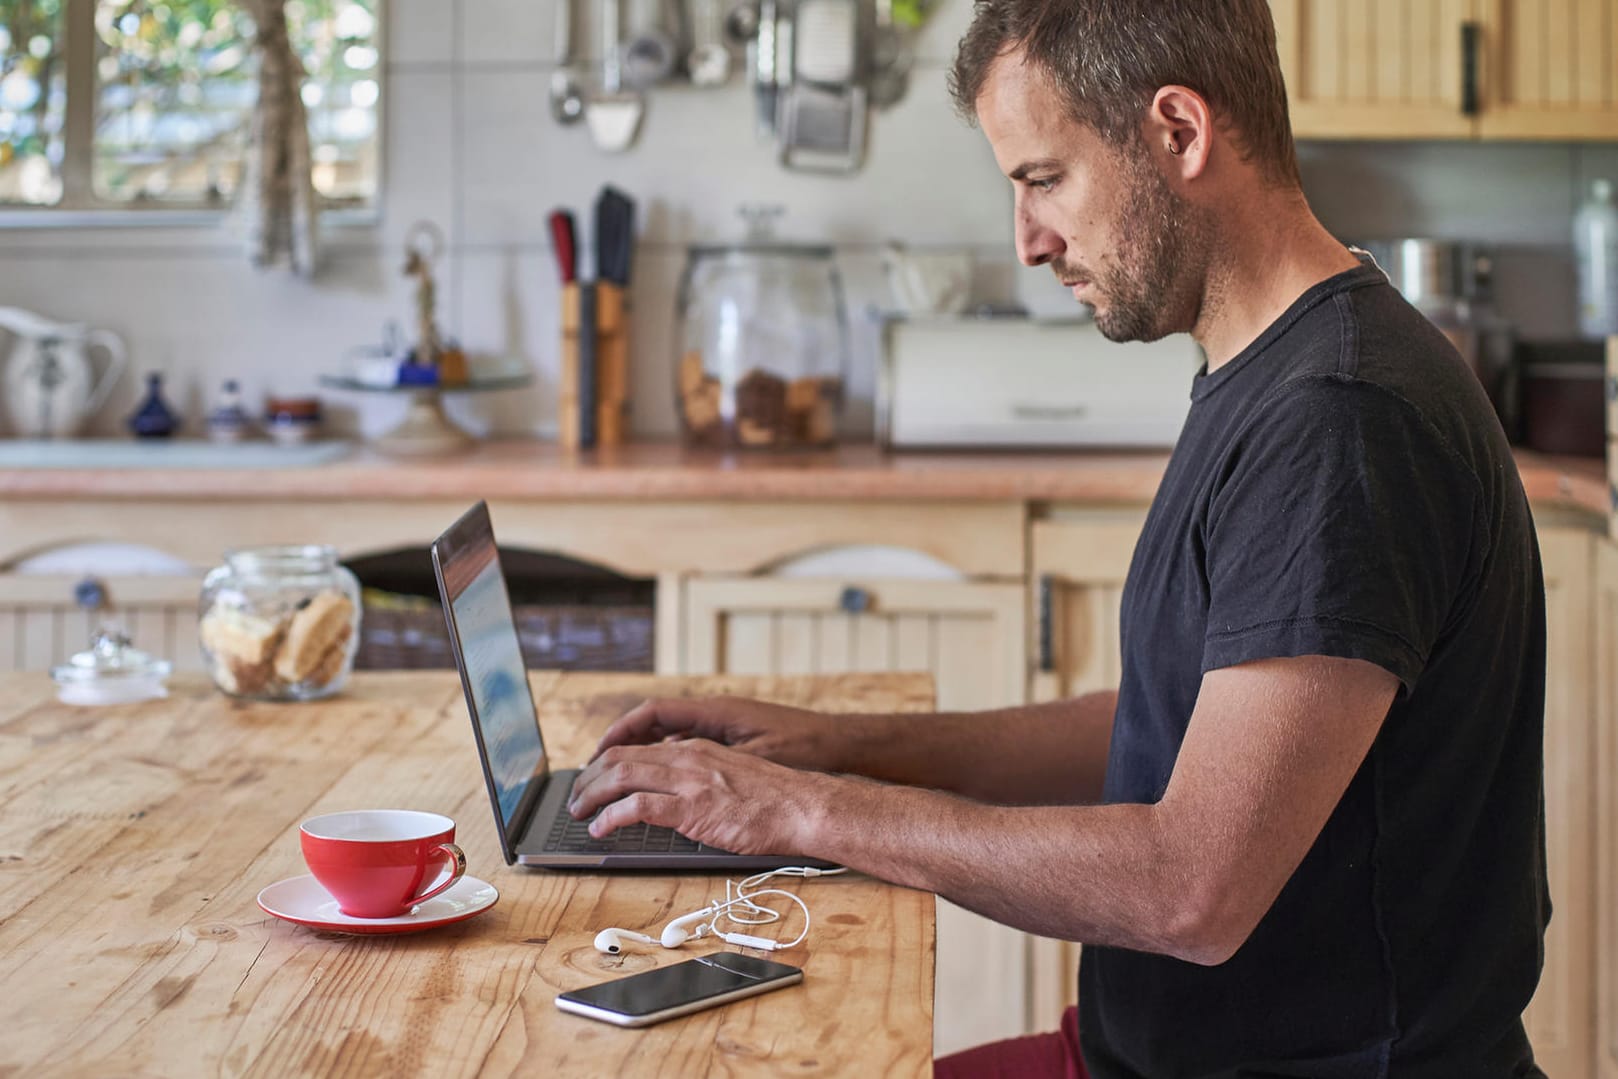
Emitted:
<point x="1179" y="131"/>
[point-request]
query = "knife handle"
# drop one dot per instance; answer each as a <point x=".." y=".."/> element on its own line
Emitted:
<point x="611" y="366"/>
<point x="562" y="241"/>
<point x="567" y="396"/>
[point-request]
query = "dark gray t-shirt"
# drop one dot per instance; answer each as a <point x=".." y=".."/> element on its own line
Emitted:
<point x="1343" y="488"/>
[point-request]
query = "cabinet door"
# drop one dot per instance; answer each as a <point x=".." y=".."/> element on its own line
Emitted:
<point x="1369" y="69"/>
<point x="969" y="635"/>
<point x="1549" y="69"/>
<point x="1079" y="568"/>
<point x="1606" y="669"/>
<point x="42" y="623"/>
<point x="1560" y="1017"/>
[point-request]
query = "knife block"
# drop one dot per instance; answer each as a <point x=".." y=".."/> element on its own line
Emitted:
<point x="593" y="397"/>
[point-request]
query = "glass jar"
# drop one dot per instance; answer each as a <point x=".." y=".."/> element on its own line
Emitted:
<point x="279" y="623"/>
<point x="763" y="343"/>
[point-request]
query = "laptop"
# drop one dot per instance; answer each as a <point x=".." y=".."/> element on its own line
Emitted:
<point x="529" y="799"/>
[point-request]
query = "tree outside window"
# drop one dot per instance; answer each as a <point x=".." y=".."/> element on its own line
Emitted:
<point x="169" y="87"/>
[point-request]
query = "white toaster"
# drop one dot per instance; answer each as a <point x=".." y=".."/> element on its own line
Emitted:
<point x="1021" y="383"/>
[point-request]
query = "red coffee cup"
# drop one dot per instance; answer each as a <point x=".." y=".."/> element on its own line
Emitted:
<point x="378" y="863"/>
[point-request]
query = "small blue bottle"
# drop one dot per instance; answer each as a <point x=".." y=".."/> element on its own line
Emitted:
<point x="154" y="418"/>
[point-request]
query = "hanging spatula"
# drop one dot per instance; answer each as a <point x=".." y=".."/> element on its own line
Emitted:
<point x="614" y="114"/>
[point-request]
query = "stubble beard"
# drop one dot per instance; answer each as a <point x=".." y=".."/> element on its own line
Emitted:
<point x="1151" y="287"/>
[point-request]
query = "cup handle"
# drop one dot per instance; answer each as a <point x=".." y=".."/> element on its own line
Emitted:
<point x="458" y="870"/>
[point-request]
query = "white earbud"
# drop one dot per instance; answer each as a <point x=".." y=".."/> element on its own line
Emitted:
<point x="738" y="906"/>
<point x="611" y="941"/>
<point x="676" y="933"/>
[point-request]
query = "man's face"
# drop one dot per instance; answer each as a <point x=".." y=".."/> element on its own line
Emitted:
<point x="1102" y="217"/>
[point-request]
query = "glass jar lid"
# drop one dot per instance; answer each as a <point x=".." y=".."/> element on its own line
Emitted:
<point x="110" y="671"/>
<point x="761" y="239"/>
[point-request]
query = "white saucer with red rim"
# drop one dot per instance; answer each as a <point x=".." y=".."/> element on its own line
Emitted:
<point x="304" y="901"/>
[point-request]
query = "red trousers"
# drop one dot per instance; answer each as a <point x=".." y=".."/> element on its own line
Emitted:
<point x="1036" y="1056"/>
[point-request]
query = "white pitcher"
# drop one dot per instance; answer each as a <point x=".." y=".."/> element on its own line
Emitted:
<point x="49" y="387"/>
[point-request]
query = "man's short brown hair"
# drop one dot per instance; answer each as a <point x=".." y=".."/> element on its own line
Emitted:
<point x="1107" y="58"/>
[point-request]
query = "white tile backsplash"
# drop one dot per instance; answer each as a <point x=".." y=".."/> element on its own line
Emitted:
<point x="509" y="31"/>
<point x="419" y="141"/>
<point x="470" y="146"/>
<point x="697" y="160"/>
<point x="421" y="32"/>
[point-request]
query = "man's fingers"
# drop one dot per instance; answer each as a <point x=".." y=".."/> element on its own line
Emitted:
<point x="620" y="771"/>
<point x="651" y="721"/>
<point x="642" y="807"/>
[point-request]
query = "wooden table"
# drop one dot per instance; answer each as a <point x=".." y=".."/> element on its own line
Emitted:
<point x="134" y="839"/>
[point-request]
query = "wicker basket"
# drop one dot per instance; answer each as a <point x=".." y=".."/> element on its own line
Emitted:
<point x="408" y="633"/>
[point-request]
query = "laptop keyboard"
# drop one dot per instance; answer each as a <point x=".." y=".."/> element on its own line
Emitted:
<point x="569" y="836"/>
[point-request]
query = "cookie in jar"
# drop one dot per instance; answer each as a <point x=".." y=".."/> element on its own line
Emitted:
<point x="280" y="623"/>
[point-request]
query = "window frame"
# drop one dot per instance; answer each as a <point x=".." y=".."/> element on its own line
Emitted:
<point x="79" y="207"/>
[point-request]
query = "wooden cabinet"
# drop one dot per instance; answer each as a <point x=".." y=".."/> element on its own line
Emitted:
<point x="1401" y="69"/>
<point x="1560" y="1017"/>
<point x="43" y="622"/>
<point x="1374" y="68"/>
<point x="1077" y="570"/>
<point x="967" y="634"/>
<point x="1548" y="71"/>
<point x="1606" y="808"/>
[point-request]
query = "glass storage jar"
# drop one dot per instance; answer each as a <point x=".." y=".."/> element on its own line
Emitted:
<point x="763" y="343"/>
<point x="279" y="623"/>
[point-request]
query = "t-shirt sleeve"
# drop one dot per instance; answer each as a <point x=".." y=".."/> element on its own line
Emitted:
<point x="1342" y="526"/>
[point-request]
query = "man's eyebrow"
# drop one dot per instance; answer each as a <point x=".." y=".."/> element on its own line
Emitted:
<point x="1021" y="171"/>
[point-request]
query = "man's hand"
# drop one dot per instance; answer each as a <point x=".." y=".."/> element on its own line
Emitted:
<point x="708" y="792"/>
<point x="790" y="736"/>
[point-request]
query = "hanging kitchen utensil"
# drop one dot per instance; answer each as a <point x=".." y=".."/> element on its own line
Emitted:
<point x="614" y="114"/>
<point x="650" y="54"/>
<point x="741" y="23"/>
<point x="763" y="66"/>
<point x="823" y="109"/>
<point x="709" y="59"/>
<point x="890" y="59"/>
<point x="567" y="96"/>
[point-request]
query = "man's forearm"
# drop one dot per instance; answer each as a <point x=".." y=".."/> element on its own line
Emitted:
<point x="1043" y="754"/>
<point x="1100" y="874"/>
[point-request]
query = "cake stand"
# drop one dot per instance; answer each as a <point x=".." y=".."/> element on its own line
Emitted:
<point x="426" y="431"/>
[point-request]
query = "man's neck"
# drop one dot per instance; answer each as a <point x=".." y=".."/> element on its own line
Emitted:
<point x="1258" y="270"/>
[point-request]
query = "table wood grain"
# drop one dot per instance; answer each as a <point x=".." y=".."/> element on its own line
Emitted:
<point x="134" y="839"/>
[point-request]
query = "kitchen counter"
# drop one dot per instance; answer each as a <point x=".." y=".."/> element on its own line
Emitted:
<point x="528" y="470"/>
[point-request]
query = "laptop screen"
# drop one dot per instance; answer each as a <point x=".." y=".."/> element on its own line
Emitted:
<point x="496" y="681"/>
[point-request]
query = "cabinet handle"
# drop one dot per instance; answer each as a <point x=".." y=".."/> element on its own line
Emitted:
<point x="854" y="600"/>
<point x="1471" y="42"/>
<point x="90" y="594"/>
<point x="1047" y="632"/>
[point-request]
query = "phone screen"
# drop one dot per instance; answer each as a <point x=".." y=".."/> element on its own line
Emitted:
<point x="683" y="983"/>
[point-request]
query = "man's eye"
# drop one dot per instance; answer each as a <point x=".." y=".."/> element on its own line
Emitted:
<point x="1043" y="185"/>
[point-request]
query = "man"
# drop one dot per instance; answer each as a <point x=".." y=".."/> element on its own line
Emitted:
<point x="1305" y="836"/>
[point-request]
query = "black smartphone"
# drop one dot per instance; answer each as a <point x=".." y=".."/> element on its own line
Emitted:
<point x="655" y="995"/>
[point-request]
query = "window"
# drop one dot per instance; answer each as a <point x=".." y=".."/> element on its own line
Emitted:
<point x="123" y="104"/>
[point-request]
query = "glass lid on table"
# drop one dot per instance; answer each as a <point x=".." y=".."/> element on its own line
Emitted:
<point x="763" y="340"/>
<point x="111" y="671"/>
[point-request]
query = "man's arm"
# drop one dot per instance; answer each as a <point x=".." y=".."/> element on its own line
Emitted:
<point x="1271" y="747"/>
<point x="1045" y="754"/>
<point x="1041" y="754"/>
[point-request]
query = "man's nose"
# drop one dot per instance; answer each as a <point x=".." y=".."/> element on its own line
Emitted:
<point x="1036" y="243"/>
